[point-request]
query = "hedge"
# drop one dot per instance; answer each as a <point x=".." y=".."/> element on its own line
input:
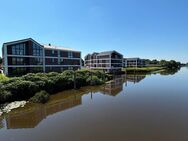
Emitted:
<point x="25" y="87"/>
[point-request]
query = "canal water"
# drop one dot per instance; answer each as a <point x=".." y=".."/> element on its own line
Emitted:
<point x="131" y="108"/>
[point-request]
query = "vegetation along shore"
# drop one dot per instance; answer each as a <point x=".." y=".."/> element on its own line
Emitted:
<point x="38" y="87"/>
<point x="155" y="66"/>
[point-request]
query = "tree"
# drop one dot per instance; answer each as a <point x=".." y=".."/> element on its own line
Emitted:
<point x="163" y="62"/>
<point x="1" y="60"/>
<point x="155" y="62"/>
<point x="147" y="61"/>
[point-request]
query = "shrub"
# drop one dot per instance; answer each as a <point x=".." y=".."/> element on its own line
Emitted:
<point x="40" y="81"/>
<point x="68" y="73"/>
<point x="80" y="78"/>
<point x="52" y="74"/>
<point x="5" y="96"/>
<point x="60" y="83"/>
<point x="94" y="81"/>
<point x="3" y="77"/>
<point x="21" y="89"/>
<point x="40" y="97"/>
<point x="25" y="87"/>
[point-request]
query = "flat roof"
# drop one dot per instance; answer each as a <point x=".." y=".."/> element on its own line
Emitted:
<point x="108" y="52"/>
<point x="131" y="58"/>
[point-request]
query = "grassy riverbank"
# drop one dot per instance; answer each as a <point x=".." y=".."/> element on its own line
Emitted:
<point x="28" y="86"/>
<point x="143" y="70"/>
<point x="3" y="77"/>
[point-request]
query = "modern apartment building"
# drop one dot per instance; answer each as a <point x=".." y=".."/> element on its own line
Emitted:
<point x="28" y="56"/>
<point x="109" y="61"/>
<point x="133" y="62"/>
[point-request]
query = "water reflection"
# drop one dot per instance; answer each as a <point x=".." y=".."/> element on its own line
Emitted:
<point x="135" y="78"/>
<point x="32" y="114"/>
<point x="169" y="72"/>
<point x="115" y="86"/>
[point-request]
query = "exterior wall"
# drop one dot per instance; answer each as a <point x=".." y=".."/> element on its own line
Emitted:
<point x="109" y="62"/>
<point x="60" y="68"/>
<point x="51" y="61"/>
<point x="60" y="60"/>
<point x="51" y="53"/>
<point x="16" y="71"/>
<point x="27" y="56"/>
<point x="134" y="62"/>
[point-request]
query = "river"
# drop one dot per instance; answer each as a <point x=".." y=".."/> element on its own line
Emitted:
<point x="130" y="108"/>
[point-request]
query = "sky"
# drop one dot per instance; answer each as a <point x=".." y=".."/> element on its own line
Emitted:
<point x="152" y="29"/>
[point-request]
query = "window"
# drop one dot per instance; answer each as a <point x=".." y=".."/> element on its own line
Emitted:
<point x="70" y="68"/>
<point x="18" y="71"/>
<point x="37" y="50"/>
<point x="70" y="54"/>
<point x="60" y="61"/>
<point x="35" y="70"/>
<point x="18" y="61"/>
<point x="13" y="61"/>
<point x="37" y="61"/>
<point x="61" y="69"/>
<point x="53" y="60"/>
<point x="18" y="49"/>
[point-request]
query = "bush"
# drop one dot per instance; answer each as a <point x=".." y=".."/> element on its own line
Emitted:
<point x="3" y="77"/>
<point x="40" y="97"/>
<point x="60" y="83"/>
<point x="21" y="89"/>
<point x="5" y="96"/>
<point x="94" y="81"/>
<point x="52" y="74"/>
<point x="25" y="87"/>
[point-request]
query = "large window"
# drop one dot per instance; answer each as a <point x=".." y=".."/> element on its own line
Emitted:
<point x="18" y="71"/>
<point x="18" y="49"/>
<point x="70" y="54"/>
<point x="37" y="61"/>
<point x="35" y="70"/>
<point x="18" y="61"/>
<point x="37" y="50"/>
<point x="60" y="61"/>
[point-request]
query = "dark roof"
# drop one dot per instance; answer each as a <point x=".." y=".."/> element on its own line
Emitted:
<point x="136" y="58"/>
<point x="17" y="41"/>
<point x="109" y="52"/>
<point x="45" y="46"/>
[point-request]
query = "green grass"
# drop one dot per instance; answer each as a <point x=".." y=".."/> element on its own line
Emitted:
<point x="3" y="77"/>
<point x="143" y="69"/>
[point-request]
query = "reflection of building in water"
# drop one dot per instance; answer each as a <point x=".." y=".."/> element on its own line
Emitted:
<point x="25" y="118"/>
<point x="115" y="86"/>
<point x="135" y="78"/>
<point x="31" y="115"/>
<point x="1" y="122"/>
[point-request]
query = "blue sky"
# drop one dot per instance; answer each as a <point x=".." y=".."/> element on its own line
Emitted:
<point x="136" y="28"/>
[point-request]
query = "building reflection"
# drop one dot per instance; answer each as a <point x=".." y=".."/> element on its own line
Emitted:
<point x="135" y="78"/>
<point x="115" y="86"/>
<point x="32" y="114"/>
<point x="1" y="122"/>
